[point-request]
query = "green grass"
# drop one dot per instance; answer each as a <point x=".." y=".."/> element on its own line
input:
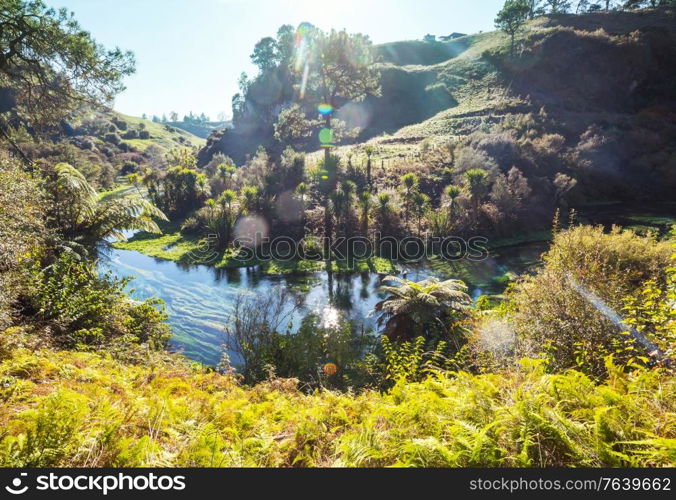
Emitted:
<point x="171" y="246"/>
<point x="161" y="135"/>
<point x="179" y="248"/>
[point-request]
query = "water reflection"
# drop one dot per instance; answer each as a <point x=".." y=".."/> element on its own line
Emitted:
<point x="199" y="298"/>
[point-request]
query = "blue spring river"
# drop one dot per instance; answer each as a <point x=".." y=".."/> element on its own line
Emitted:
<point x="200" y="298"/>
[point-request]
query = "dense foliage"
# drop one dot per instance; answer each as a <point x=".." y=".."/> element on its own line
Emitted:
<point x="49" y="65"/>
<point x="79" y="409"/>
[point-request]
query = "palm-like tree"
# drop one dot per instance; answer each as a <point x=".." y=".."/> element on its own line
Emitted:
<point x="384" y="210"/>
<point x="420" y="204"/>
<point x="86" y="217"/>
<point x="423" y="308"/>
<point x="301" y="191"/>
<point x="369" y="150"/>
<point x="453" y="193"/>
<point x="365" y="201"/>
<point x="225" y="173"/>
<point x="348" y="188"/>
<point x="410" y="182"/>
<point x="477" y="184"/>
<point x="327" y="176"/>
<point x="250" y="198"/>
<point x="229" y="212"/>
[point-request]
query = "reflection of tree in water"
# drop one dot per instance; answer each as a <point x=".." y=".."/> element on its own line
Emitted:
<point x="342" y="298"/>
<point x="365" y="282"/>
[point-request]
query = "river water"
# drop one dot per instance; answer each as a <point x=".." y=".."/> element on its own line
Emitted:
<point x="199" y="298"/>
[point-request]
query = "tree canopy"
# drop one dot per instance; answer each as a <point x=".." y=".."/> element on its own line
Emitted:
<point x="512" y="17"/>
<point x="50" y="65"/>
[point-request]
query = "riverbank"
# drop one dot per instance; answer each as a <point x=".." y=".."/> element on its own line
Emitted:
<point x="174" y="246"/>
<point x="187" y="250"/>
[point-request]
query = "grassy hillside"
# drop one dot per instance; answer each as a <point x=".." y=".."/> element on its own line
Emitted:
<point x="162" y="135"/>
<point x="617" y="57"/>
<point x="106" y="144"/>
<point x="202" y="130"/>
<point x="80" y="409"/>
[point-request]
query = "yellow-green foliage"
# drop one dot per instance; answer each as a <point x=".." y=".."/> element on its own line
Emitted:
<point x="551" y="316"/>
<point x="83" y="409"/>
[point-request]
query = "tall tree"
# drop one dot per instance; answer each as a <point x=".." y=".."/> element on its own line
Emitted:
<point x="512" y="18"/>
<point x="265" y="54"/>
<point x="335" y="67"/>
<point x="286" y="42"/>
<point x="558" y="6"/>
<point x="534" y="8"/>
<point x="49" y="65"/>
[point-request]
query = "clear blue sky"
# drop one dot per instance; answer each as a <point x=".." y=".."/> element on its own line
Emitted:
<point x="190" y="53"/>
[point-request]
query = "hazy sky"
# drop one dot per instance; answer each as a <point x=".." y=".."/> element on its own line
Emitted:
<point x="189" y="53"/>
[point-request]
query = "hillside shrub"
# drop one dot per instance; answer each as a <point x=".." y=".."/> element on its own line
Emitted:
<point x="112" y="138"/>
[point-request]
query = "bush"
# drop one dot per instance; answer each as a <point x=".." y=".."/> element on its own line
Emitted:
<point x="258" y="334"/>
<point x="119" y="123"/>
<point x="112" y="138"/>
<point x="144" y="134"/>
<point x="129" y="167"/>
<point x="83" y="310"/>
<point x="22" y="228"/>
<point x="558" y="313"/>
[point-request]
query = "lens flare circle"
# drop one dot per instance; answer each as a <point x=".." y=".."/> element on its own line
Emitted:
<point x="326" y="137"/>
<point x="250" y="229"/>
<point x="325" y="109"/>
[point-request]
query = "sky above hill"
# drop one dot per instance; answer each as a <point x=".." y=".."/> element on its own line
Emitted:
<point x="190" y="53"/>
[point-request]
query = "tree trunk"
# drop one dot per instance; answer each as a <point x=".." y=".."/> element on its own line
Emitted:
<point x="328" y="223"/>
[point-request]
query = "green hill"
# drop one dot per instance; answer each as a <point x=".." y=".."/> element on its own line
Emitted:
<point x="201" y="130"/>
<point x="609" y="75"/>
<point x="105" y="144"/>
<point x="129" y="128"/>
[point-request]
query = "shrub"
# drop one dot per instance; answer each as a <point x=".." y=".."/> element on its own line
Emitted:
<point x="84" y="310"/>
<point x="558" y="313"/>
<point x="119" y="123"/>
<point x="258" y="334"/>
<point x="112" y="138"/>
<point x="22" y="228"/>
<point x="143" y="134"/>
